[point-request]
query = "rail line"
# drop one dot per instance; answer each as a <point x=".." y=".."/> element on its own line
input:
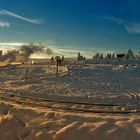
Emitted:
<point x="78" y="107"/>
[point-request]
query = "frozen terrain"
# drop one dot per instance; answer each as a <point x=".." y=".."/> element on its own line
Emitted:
<point x="18" y="122"/>
<point x="87" y="83"/>
<point x="90" y="83"/>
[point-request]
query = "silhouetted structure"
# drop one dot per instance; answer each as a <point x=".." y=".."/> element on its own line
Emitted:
<point x="59" y="62"/>
<point x="101" y="56"/>
<point x="129" y="55"/>
<point x="0" y="52"/>
<point x="98" y="56"/>
<point x="52" y="59"/>
<point x="80" y="57"/>
<point x="121" y="56"/>
<point x="113" y="56"/>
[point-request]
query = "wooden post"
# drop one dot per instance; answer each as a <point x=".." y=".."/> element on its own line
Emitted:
<point x="57" y="66"/>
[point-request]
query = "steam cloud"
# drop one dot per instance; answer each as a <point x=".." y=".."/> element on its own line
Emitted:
<point x="24" y="53"/>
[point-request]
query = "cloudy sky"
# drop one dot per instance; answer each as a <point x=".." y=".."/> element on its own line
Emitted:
<point x="71" y="25"/>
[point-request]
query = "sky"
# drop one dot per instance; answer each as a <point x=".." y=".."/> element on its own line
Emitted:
<point x="70" y="26"/>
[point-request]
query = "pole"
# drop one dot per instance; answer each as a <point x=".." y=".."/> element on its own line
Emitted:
<point x="57" y="66"/>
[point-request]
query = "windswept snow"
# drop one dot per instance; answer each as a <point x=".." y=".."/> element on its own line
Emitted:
<point x="87" y="83"/>
<point x="26" y="123"/>
<point x="91" y="83"/>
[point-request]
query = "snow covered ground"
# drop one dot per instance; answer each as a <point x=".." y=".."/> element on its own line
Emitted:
<point x="18" y="122"/>
<point x="93" y="83"/>
<point x="88" y="83"/>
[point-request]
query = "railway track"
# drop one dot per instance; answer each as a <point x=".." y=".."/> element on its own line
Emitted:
<point x="57" y="105"/>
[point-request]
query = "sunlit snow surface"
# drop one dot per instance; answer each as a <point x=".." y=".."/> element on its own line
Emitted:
<point x="81" y="83"/>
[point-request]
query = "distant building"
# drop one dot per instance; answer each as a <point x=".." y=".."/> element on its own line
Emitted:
<point x="121" y="56"/>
